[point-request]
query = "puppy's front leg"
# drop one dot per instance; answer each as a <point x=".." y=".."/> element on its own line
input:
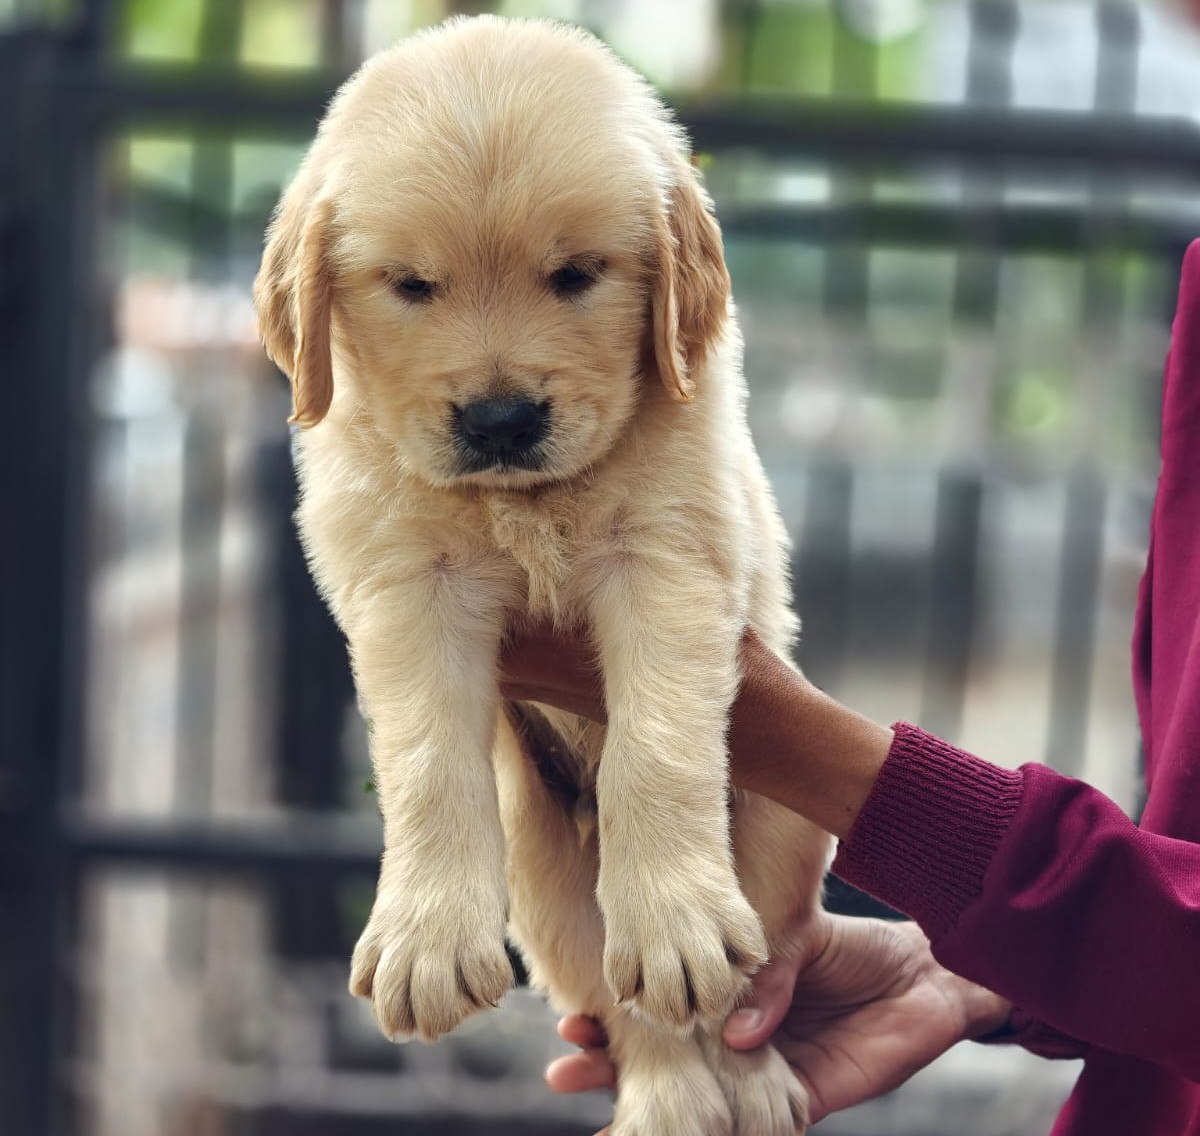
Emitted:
<point x="680" y="937"/>
<point x="424" y="658"/>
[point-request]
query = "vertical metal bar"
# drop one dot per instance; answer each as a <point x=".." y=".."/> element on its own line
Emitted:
<point x="1082" y="547"/>
<point x="314" y="668"/>
<point x="993" y="38"/>
<point x="50" y="191"/>
<point x="203" y="499"/>
<point x="847" y="262"/>
<point x="1075" y="623"/>
<point x="953" y="601"/>
<point x="315" y="691"/>
<point x="953" y="583"/>
<point x="335" y="40"/>
<point x="1119" y="30"/>
<point x="201" y="506"/>
<point x="993" y="34"/>
<point x="27" y="593"/>
<point x="994" y="27"/>
<point x="825" y="580"/>
<point x="824" y="572"/>
<point x="94" y="27"/>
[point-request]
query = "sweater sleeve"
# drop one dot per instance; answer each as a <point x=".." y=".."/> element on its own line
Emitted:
<point x="1040" y="888"/>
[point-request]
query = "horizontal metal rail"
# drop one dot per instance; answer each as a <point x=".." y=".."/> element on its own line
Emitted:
<point x="314" y="846"/>
<point x="1069" y="226"/>
<point x="859" y="132"/>
<point x="309" y="844"/>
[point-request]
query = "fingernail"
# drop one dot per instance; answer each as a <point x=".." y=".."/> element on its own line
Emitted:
<point x="745" y="1021"/>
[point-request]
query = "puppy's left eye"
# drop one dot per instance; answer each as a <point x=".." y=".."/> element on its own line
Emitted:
<point x="575" y="277"/>
<point x="413" y="288"/>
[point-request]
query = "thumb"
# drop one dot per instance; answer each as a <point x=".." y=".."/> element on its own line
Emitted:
<point x="770" y="999"/>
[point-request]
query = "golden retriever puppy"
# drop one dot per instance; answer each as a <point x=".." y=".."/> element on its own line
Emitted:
<point x="499" y="291"/>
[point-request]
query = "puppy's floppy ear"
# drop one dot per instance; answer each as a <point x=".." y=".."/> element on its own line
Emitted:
<point x="691" y="284"/>
<point x="293" y="293"/>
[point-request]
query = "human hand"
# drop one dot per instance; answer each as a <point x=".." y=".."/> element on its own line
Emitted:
<point x="857" y="1011"/>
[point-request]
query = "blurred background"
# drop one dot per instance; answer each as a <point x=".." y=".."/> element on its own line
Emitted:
<point x="954" y="230"/>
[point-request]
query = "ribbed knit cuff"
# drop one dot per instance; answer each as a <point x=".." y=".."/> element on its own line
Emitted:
<point x="929" y="828"/>
<point x="1035" y="1036"/>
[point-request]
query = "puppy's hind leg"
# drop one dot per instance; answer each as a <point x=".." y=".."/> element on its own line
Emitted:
<point x="664" y="1085"/>
<point x="553" y="915"/>
<point x="762" y="1092"/>
<point x="781" y="860"/>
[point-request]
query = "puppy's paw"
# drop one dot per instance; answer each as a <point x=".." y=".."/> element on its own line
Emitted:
<point x="682" y="955"/>
<point x="764" y="1096"/>
<point x="424" y="973"/>
<point x="662" y="1099"/>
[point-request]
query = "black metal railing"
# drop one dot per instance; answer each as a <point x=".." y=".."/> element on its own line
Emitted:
<point x="68" y="94"/>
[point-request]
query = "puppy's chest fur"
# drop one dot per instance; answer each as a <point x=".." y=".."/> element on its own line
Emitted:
<point x="558" y="544"/>
<point x="554" y="543"/>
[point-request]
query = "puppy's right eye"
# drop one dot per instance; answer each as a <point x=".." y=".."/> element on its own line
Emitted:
<point x="413" y="288"/>
<point x="575" y="277"/>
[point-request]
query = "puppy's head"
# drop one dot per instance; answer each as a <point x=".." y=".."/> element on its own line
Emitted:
<point x="498" y="239"/>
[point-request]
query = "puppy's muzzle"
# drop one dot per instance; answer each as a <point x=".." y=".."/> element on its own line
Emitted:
<point x="502" y="432"/>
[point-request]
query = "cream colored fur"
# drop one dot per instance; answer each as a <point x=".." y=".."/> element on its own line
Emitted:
<point x="481" y="156"/>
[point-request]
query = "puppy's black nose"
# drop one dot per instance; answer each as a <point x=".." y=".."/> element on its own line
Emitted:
<point x="503" y="425"/>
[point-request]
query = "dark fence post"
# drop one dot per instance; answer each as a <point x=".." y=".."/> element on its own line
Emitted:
<point x="952" y="606"/>
<point x="49" y="316"/>
<point x="315" y="691"/>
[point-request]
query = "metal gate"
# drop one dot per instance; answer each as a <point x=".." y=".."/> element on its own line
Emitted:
<point x="68" y="93"/>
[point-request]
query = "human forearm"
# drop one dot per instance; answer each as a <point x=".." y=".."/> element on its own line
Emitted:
<point x="788" y="741"/>
<point x="791" y="742"/>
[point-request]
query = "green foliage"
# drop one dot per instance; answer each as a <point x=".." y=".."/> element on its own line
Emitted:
<point x="260" y="33"/>
<point x="1035" y="406"/>
<point x="153" y="31"/>
<point x="281" y="34"/>
<point x="806" y="49"/>
<point x="782" y="48"/>
<point x="161" y="160"/>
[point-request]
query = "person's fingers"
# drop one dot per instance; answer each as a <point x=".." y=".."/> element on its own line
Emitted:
<point x="583" y="1031"/>
<point x="581" y="1072"/>
<point x="770" y="999"/>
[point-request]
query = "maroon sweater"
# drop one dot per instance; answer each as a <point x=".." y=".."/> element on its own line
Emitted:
<point x="1038" y="886"/>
